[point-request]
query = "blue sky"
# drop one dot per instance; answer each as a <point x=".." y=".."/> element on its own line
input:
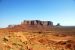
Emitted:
<point x="58" y="11"/>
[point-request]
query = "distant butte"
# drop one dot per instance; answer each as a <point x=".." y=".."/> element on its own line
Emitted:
<point x="39" y="26"/>
<point x="34" y="22"/>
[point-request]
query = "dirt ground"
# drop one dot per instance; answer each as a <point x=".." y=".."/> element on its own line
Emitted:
<point x="36" y="41"/>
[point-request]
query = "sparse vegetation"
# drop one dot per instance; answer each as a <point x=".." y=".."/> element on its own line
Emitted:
<point x="32" y="37"/>
<point x="5" y="39"/>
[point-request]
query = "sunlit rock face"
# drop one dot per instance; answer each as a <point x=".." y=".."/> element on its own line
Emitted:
<point x="37" y="22"/>
<point x="31" y="25"/>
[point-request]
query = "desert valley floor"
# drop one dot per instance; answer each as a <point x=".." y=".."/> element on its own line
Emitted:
<point x="37" y="37"/>
<point x="36" y="41"/>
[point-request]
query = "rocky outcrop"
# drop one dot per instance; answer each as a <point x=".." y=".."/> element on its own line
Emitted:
<point x="37" y="22"/>
<point x="10" y="26"/>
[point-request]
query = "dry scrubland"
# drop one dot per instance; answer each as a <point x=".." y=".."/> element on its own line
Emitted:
<point x="36" y="41"/>
<point x="37" y="35"/>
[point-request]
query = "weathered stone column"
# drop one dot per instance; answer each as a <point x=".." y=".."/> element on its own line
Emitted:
<point x="50" y="23"/>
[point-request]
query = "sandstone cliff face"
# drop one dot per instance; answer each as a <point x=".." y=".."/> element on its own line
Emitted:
<point x="32" y="25"/>
<point x="10" y="26"/>
<point x="37" y="22"/>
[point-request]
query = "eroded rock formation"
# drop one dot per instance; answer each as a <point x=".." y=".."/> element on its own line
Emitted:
<point x="37" y="22"/>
